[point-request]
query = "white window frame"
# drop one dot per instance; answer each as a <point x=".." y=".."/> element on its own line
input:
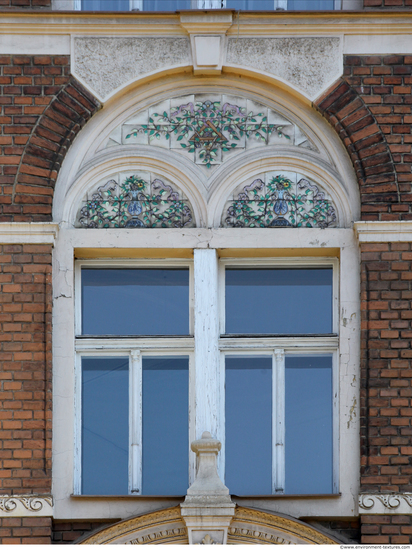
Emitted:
<point x="135" y="349"/>
<point x="278" y="348"/>
<point x="137" y="5"/>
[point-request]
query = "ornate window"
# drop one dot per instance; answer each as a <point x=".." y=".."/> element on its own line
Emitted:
<point x="253" y="203"/>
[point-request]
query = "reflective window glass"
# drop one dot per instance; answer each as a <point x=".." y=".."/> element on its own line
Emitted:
<point x="135" y="302"/>
<point x="105" y="425"/>
<point x="105" y="5"/>
<point x="278" y="301"/>
<point x="308" y="414"/>
<point x="166" y="5"/>
<point x="248" y="425"/>
<point x="165" y="425"/>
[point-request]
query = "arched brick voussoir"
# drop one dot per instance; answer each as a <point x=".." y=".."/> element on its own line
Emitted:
<point x="366" y="144"/>
<point x="44" y="153"/>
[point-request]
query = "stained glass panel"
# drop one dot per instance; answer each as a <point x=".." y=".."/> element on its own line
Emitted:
<point x="139" y="200"/>
<point x="279" y="199"/>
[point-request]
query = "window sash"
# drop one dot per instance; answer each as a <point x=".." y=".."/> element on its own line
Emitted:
<point x="261" y="263"/>
<point x="127" y="264"/>
<point x="278" y="408"/>
<point x="136" y="355"/>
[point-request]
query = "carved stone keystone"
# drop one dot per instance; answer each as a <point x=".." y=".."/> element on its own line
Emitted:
<point x="208" y="508"/>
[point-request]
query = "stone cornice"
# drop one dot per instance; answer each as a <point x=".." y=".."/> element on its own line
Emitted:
<point x="28" y="233"/>
<point x="378" y="232"/>
<point x="166" y="23"/>
<point x="385" y="504"/>
<point x="26" y="506"/>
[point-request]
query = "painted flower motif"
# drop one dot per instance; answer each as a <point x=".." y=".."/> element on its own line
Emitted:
<point x="280" y="203"/>
<point x="129" y="205"/>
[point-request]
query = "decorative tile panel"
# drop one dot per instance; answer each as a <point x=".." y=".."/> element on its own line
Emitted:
<point x="135" y="200"/>
<point x="209" y="128"/>
<point x="279" y="199"/>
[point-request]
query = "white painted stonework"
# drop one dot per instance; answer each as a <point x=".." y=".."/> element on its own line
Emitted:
<point x="394" y="504"/>
<point x="105" y="64"/>
<point x="26" y="506"/>
<point x="386" y="231"/>
<point x="308" y="64"/>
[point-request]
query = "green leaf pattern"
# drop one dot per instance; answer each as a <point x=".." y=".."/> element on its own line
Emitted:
<point x="280" y="203"/>
<point x="136" y="203"/>
<point x="208" y="127"/>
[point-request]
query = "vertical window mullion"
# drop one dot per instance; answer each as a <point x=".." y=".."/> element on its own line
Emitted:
<point x="135" y="471"/>
<point x="278" y="421"/>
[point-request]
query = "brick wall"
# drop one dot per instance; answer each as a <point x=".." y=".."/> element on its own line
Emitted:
<point x="25" y="530"/>
<point x="387" y="4"/>
<point x="25" y="369"/>
<point x="386" y="529"/>
<point x="386" y="382"/>
<point x="67" y="532"/>
<point x="42" y="110"/>
<point x="26" y="4"/>
<point x="370" y="108"/>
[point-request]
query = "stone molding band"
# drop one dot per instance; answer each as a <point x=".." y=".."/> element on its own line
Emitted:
<point x="397" y="504"/>
<point x="26" y="505"/>
<point x="381" y="232"/>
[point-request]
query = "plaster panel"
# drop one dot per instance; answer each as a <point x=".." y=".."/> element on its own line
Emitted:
<point x="44" y="44"/>
<point x="308" y="64"/>
<point x="104" y="64"/>
<point x="358" y="44"/>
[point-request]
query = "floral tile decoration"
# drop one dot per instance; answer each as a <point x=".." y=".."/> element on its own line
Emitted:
<point x="279" y="199"/>
<point x="140" y="200"/>
<point x="209" y="127"/>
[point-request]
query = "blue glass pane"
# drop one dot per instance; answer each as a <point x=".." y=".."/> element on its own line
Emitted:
<point x="278" y="301"/>
<point x="166" y="5"/>
<point x="315" y="5"/>
<point x="248" y="425"/>
<point x="105" y="425"/>
<point x="308" y="412"/>
<point x="266" y="5"/>
<point x="135" y="302"/>
<point x="165" y="425"/>
<point x="105" y="5"/>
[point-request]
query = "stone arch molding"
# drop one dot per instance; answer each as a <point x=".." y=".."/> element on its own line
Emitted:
<point x="204" y="141"/>
<point x="248" y="526"/>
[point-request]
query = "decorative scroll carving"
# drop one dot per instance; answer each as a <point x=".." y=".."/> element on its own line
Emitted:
<point x="279" y="200"/>
<point x="160" y="536"/>
<point x="256" y="527"/>
<point x="208" y="129"/>
<point x="11" y="504"/>
<point x="164" y="526"/>
<point x="136" y="203"/>
<point x="248" y="527"/>
<point x="389" y="503"/>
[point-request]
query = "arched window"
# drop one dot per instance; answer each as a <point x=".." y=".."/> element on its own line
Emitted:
<point x="214" y="287"/>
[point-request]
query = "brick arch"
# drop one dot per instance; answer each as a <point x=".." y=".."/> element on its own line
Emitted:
<point x="367" y="146"/>
<point x="49" y="141"/>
